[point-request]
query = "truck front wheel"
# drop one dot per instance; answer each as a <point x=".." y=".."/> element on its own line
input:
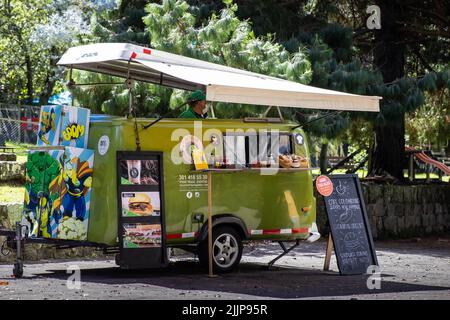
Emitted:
<point x="227" y="249"/>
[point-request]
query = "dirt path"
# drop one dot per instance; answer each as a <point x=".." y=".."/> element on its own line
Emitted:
<point x="410" y="270"/>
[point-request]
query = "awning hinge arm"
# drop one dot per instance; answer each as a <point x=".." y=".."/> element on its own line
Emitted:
<point x="329" y="114"/>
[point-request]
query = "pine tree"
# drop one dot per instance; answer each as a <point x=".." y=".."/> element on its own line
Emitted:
<point x="407" y="52"/>
<point x="221" y="38"/>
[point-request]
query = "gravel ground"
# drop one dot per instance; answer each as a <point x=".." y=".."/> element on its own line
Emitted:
<point x="411" y="269"/>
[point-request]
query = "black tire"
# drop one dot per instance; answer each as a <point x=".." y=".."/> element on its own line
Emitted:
<point x="117" y="259"/>
<point x="18" y="270"/>
<point x="227" y="257"/>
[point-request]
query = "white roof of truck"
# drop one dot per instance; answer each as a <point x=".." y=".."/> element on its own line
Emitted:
<point x="221" y="83"/>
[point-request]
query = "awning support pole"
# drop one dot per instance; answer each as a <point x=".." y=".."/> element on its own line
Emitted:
<point x="264" y="115"/>
<point x="71" y="84"/>
<point x="210" y="244"/>
<point x="279" y="113"/>
<point x="211" y="107"/>
<point x="132" y="107"/>
<point x="329" y="114"/>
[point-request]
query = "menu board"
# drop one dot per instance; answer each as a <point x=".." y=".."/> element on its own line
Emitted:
<point x="141" y="210"/>
<point x="350" y="230"/>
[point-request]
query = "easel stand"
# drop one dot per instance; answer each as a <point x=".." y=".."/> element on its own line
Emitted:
<point x="329" y="251"/>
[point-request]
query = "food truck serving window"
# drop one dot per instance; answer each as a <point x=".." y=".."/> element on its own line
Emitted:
<point x="254" y="149"/>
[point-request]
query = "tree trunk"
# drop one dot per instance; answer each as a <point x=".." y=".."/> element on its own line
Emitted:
<point x="29" y="74"/>
<point x="323" y="158"/>
<point x="389" y="57"/>
<point x="388" y="149"/>
<point x="50" y="78"/>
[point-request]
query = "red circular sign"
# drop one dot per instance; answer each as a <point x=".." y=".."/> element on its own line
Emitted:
<point x="324" y="186"/>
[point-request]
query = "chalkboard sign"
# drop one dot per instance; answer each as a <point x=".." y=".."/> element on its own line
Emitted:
<point x="350" y="229"/>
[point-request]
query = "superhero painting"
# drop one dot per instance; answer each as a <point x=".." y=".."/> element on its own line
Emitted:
<point x="42" y="168"/>
<point x="49" y="126"/>
<point x="70" y="209"/>
<point x="75" y="127"/>
<point x="58" y="189"/>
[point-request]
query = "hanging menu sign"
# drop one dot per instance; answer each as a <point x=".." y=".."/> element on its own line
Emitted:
<point x="141" y="210"/>
<point x="350" y="229"/>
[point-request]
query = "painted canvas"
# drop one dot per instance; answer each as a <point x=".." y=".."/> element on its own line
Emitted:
<point x="49" y="126"/>
<point x="58" y="190"/>
<point x="42" y="168"/>
<point x="75" y="127"/>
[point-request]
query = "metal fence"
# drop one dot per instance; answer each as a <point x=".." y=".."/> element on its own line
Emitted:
<point x="18" y="123"/>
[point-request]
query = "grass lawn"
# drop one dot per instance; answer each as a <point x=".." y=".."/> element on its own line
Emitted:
<point x="432" y="176"/>
<point x="21" y="150"/>
<point x="14" y="193"/>
<point x="11" y="194"/>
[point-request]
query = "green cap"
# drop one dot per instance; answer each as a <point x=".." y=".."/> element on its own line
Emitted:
<point x="197" y="95"/>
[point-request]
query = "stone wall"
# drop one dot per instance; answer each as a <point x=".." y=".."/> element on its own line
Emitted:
<point x="12" y="171"/>
<point x="8" y="157"/>
<point x="397" y="211"/>
<point x="10" y="213"/>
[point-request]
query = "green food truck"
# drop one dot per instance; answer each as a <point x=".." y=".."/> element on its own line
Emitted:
<point x="202" y="185"/>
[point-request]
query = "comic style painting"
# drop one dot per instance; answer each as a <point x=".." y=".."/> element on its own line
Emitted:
<point x="75" y="127"/>
<point x="42" y="168"/>
<point x="58" y="189"/>
<point x="49" y="126"/>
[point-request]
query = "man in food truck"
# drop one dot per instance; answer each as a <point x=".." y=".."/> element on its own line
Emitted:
<point x="197" y="106"/>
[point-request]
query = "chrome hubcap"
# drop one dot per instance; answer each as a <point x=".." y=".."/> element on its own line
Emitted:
<point x="225" y="250"/>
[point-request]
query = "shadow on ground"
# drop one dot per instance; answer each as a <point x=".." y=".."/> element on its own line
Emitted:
<point x="251" y="279"/>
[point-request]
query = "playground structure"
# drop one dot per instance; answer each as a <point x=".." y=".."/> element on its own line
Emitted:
<point x="425" y="161"/>
<point x="425" y="158"/>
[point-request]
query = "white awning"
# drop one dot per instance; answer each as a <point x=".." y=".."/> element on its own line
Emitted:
<point x="221" y="83"/>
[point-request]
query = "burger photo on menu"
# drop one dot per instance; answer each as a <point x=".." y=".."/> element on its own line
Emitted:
<point x="141" y="235"/>
<point x="138" y="204"/>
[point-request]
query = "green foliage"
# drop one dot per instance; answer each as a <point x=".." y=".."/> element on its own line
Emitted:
<point x="18" y="20"/>
<point x="227" y="40"/>
<point x="339" y="38"/>
<point x="33" y="35"/>
<point x="331" y="71"/>
<point x="329" y="127"/>
<point x="430" y="124"/>
<point x="320" y="42"/>
<point x="221" y="38"/>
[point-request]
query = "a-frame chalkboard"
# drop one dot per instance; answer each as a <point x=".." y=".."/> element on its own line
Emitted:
<point x="350" y="229"/>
